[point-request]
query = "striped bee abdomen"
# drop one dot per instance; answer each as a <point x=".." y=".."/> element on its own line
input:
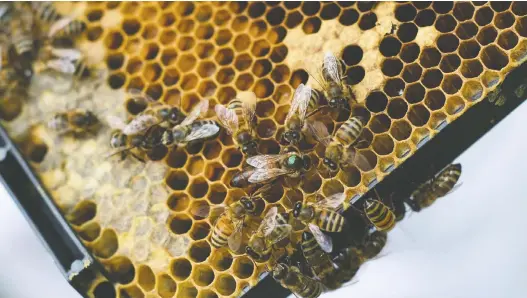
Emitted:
<point x="447" y="179"/>
<point x="329" y="220"/>
<point x="349" y="132"/>
<point x="379" y="215"/>
<point x="317" y="259"/>
<point x="223" y="229"/>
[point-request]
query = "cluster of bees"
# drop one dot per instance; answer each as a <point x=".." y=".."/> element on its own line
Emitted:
<point x="161" y="126"/>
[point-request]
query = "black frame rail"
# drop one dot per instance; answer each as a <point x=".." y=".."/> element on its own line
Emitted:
<point x="74" y="261"/>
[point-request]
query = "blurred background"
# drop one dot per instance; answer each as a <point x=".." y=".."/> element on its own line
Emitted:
<point x="468" y="244"/>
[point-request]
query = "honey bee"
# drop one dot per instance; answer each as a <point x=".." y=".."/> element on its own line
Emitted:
<point x="273" y="229"/>
<point x="317" y="258"/>
<point x="373" y="245"/>
<point x="45" y="10"/>
<point x="296" y="123"/>
<point x="439" y="186"/>
<point x="74" y="121"/>
<point x="66" y="27"/>
<point x="379" y="215"/>
<point x="241" y="179"/>
<point x="339" y="148"/>
<point x="337" y="92"/>
<point x="322" y="214"/>
<point x="165" y="113"/>
<point x="348" y="262"/>
<point x="190" y="129"/>
<point x="141" y="133"/>
<point x="239" y="120"/>
<point x="67" y="60"/>
<point x="21" y="53"/>
<point x="228" y="228"/>
<point x="267" y="167"/>
<point x="301" y="285"/>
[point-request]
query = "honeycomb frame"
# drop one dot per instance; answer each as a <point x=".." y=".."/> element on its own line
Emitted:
<point x="414" y="66"/>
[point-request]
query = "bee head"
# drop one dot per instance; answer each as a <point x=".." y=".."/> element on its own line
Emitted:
<point x="174" y="115"/>
<point x="330" y="164"/>
<point x="295" y="162"/>
<point x="247" y="204"/>
<point x="296" y="209"/>
<point x="117" y="140"/>
<point x="250" y="148"/>
<point x="279" y="271"/>
<point x="292" y="137"/>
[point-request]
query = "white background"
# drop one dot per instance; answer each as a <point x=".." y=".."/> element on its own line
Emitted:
<point x="470" y="244"/>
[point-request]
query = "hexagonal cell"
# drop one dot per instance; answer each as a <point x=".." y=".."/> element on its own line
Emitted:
<point x="394" y="87"/>
<point x="471" y="68"/>
<point x="352" y="55"/>
<point x="202" y="275"/>
<point x="231" y="158"/>
<point x="425" y="18"/>
<point x="412" y="73"/>
<point x="451" y="83"/>
<point x="484" y="16"/>
<point x="432" y="78"/>
<point x="268" y="147"/>
<point x="225" y="94"/>
<point x="104" y="289"/>
<point x="275" y="16"/>
<point x="185" y="62"/>
<point x="383" y="144"/>
<point x="94" y="33"/>
<point x="391" y="67"/>
<point x="469" y="49"/>
<point x="380" y="123"/>
<point x="115" y="61"/>
<point x="146" y="278"/>
<point x="445" y="23"/>
<point x="390" y="46"/>
<point x="494" y="58"/>
<point x="240" y="23"/>
<point x="397" y="108"/>
<point x="310" y="8"/>
<point x="136" y="83"/>
<point x="178" y="202"/>
<point x="472" y="90"/>
<point x="214" y="171"/>
<point x="150" y="31"/>
<point x="330" y="11"/>
<point x="405" y="13"/>
<point x="519" y="8"/>
<point x="349" y="17"/>
<point x="244" y="81"/>
<point x="217" y="193"/>
<point x="466" y="30"/>
<point x="256" y="9"/>
<point x="168" y="56"/>
<point x="199" y="251"/>
<point x="225" y="284"/>
<point x="114" y="40"/>
<point x="407" y="32"/>
<point x="224" y="56"/>
<point x="200" y="230"/>
<point x="90" y="231"/>
<point x="186" y="290"/>
<point x="131" y="291"/>
<point x="435" y="99"/>
<point x="166" y="286"/>
<point x="414" y="93"/>
<point x="311" y="25"/>
<point x="507" y="40"/>
<point x="189" y="82"/>
<point x="402" y="150"/>
<point x="280" y="73"/>
<point x="177" y="180"/>
<point x="167" y="19"/>
<point x="106" y="245"/>
<point x="454" y="105"/>
<point x="225" y="75"/>
<point x="438" y="121"/>
<point x="450" y="63"/>
<point x="83" y="212"/>
<point x="376" y="102"/>
<point x="365" y="160"/>
<point x="276" y="35"/>
<point x="180" y="224"/>
<point x="294" y="19"/>
<point x="499" y="7"/>
<point x="367" y="21"/>
<point x="221" y="259"/>
<point x="311" y="184"/>
<point x="418" y="115"/>
<point x="131" y="26"/>
<point x="195" y="165"/>
<point x="430" y="57"/>
<point x="463" y="11"/>
<point x="447" y="43"/>
<point x="198" y="188"/>
<point x="401" y="130"/>
<point x="420" y="137"/>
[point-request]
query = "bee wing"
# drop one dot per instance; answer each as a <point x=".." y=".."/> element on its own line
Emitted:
<point x="263" y="175"/>
<point x="331" y="66"/>
<point x="269" y="221"/>
<point x="199" y="109"/>
<point x="115" y="122"/>
<point x="202" y="132"/>
<point x="262" y="190"/>
<point x="354" y="157"/>
<point x="295" y="103"/>
<point x="235" y="239"/>
<point x="286" y="232"/>
<point x="263" y="160"/>
<point x="227" y="117"/>
<point x="248" y="100"/>
<point x="205" y="211"/>
<point x="139" y="124"/>
<point x="68" y="54"/>
<point x="320" y="132"/>
<point x="323" y="240"/>
<point x="332" y="202"/>
<point x="61" y="65"/>
<point x="58" y="25"/>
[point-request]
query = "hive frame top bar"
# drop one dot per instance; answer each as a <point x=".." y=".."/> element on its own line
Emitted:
<point x="68" y="253"/>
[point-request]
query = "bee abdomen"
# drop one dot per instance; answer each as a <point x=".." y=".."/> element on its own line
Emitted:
<point x="221" y="233"/>
<point x="380" y="216"/>
<point x="330" y="221"/>
<point x="45" y="11"/>
<point x="350" y="131"/>
<point x="72" y="29"/>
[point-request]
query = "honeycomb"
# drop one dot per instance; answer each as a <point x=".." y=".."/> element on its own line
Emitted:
<point x="414" y="66"/>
